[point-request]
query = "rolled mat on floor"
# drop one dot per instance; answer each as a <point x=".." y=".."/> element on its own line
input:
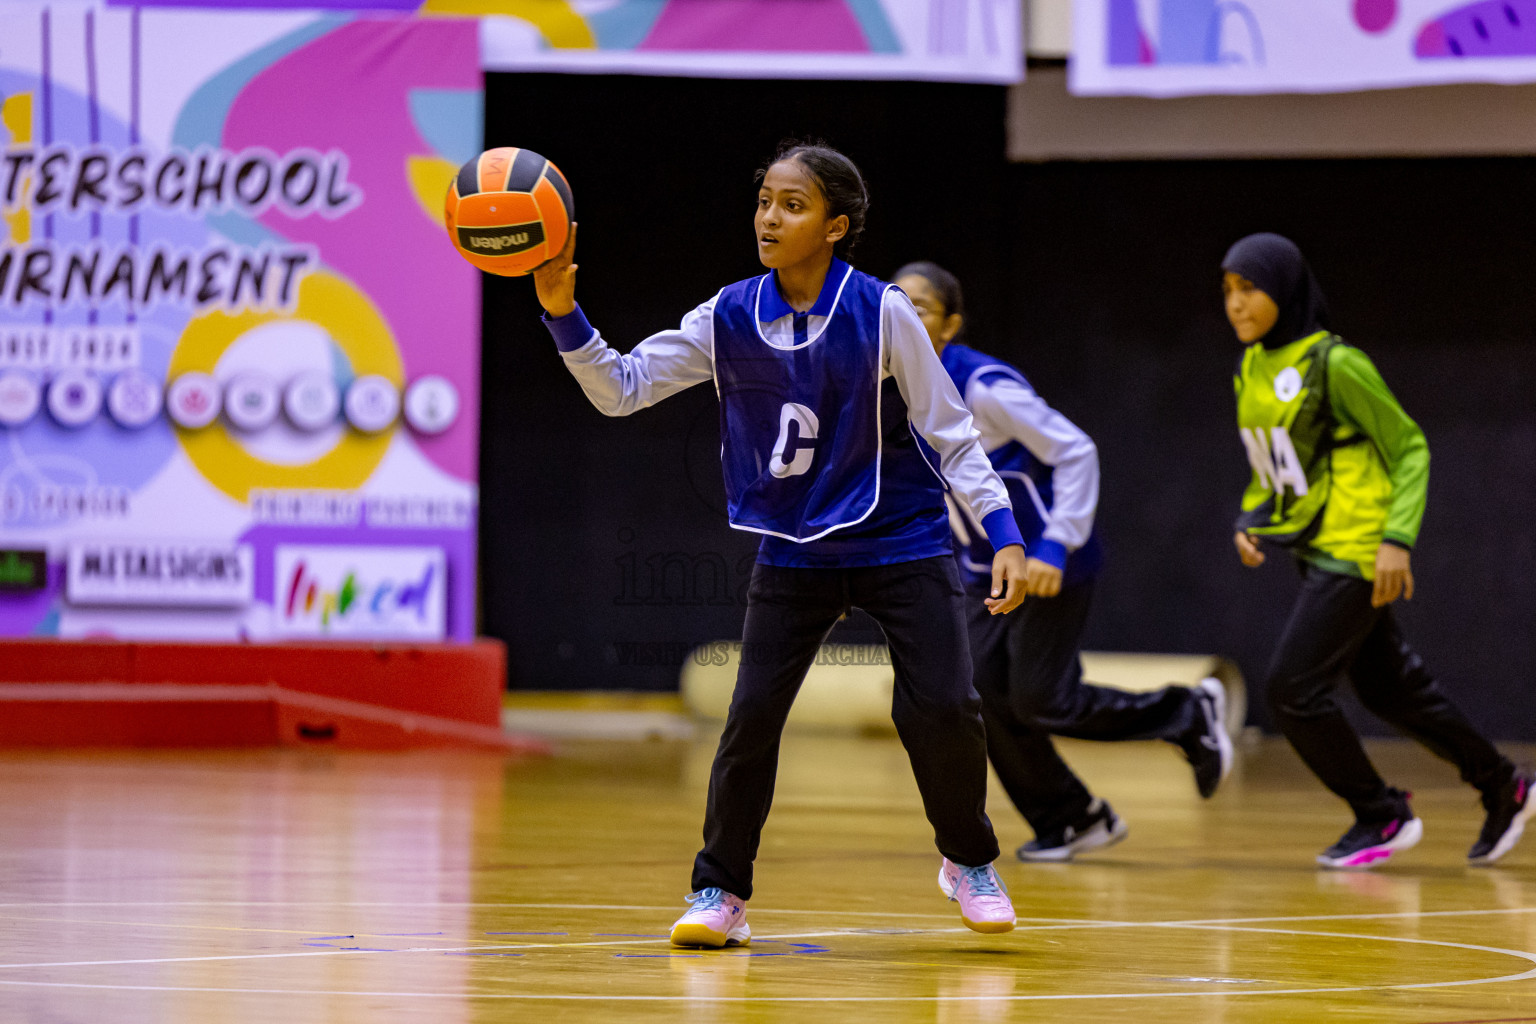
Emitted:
<point x="849" y="687"/>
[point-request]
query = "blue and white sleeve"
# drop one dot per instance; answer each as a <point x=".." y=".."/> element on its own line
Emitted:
<point x="1009" y="409"/>
<point x="938" y="413"/>
<point x="622" y="383"/>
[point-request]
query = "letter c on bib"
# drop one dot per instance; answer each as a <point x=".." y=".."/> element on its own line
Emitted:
<point x="796" y="446"/>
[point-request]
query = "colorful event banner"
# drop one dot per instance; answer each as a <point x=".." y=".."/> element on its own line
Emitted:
<point x="1179" y="47"/>
<point x="238" y="357"/>
<point x="954" y="40"/>
<point x="945" y="40"/>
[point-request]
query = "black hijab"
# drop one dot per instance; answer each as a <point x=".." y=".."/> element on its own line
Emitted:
<point x="1277" y="267"/>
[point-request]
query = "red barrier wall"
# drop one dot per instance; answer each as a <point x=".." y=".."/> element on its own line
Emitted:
<point x="116" y="693"/>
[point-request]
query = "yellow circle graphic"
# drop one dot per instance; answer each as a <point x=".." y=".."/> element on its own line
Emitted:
<point x="352" y="321"/>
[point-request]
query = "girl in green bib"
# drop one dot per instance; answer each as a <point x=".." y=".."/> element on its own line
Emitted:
<point x="1340" y="477"/>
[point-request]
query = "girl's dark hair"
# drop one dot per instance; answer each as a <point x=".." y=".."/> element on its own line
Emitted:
<point x="945" y="283"/>
<point x="839" y="180"/>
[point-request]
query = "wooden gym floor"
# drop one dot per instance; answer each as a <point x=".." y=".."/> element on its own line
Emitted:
<point x="294" y="886"/>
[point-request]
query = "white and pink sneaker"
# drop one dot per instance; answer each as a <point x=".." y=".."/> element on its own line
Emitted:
<point x="983" y="899"/>
<point x="716" y="919"/>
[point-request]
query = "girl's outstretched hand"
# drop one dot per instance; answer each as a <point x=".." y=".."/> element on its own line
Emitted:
<point x="1248" y="549"/>
<point x="1009" y="569"/>
<point x="555" y="280"/>
<point x="1394" y="576"/>
<point x="1041" y="579"/>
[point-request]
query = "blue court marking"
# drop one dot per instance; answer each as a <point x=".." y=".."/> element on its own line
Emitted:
<point x="324" y="942"/>
<point x="797" y="949"/>
<point x="409" y="935"/>
<point x="659" y="956"/>
<point x="519" y="933"/>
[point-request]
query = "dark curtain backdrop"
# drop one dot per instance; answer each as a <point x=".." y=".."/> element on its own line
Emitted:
<point x="605" y="554"/>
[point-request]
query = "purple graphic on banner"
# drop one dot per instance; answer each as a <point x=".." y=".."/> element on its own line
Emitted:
<point x="424" y="291"/>
<point x="800" y="26"/>
<point x="1127" y="42"/>
<point x="1375" y="16"/>
<point x="1491" y="28"/>
<point x="1188" y="32"/>
<point x="307" y="5"/>
<point x="34" y="612"/>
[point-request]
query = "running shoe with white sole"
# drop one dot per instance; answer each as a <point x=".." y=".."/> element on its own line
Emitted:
<point x="1206" y="744"/>
<point x="1508" y="810"/>
<point x="1369" y="844"/>
<point x="1099" y="828"/>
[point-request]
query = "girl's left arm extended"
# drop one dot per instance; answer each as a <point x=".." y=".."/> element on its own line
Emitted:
<point x="621" y="383"/>
<point x="661" y="365"/>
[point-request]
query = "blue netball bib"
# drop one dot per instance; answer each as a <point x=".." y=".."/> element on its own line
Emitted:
<point x="800" y="422"/>
<point x="1029" y="481"/>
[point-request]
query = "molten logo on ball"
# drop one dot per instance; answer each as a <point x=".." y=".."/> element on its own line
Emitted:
<point x="509" y="239"/>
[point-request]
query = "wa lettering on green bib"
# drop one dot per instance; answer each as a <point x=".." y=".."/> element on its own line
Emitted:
<point x="1323" y="485"/>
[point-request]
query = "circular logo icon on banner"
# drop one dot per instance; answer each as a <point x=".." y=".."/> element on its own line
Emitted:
<point x="431" y="405"/>
<point x="311" y="401"/>
<point x="192" y="401"/>
<point x="74" y="398"/>
<point x="372" y="403"/>
<point x="20" y="398"/>
<point x="252" y="401"/>
<point x="134" y="399"/>
<point x="1287" y="383"/>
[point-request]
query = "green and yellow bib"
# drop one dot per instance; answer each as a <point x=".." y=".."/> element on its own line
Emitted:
<point x="1319" y="486"/>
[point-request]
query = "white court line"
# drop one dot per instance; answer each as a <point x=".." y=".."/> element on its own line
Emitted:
<point x="1048" y="922"/>
<point x="1223" y="921"/>
<point x="670" y="908"/>
<point x="1215" y="924"/>
<point x="509" y="946"/>
<point x="1230" y="925"/>
<point x="991" y="998"/>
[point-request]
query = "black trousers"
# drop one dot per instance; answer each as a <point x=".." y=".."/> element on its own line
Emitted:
<point x="1030" y="677"/>
<point x="1334" y="633"/>
<point x="919" y="606"/>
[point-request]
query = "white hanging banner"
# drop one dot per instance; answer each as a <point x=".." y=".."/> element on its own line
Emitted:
<point x="940" y="40"/>
<point x="1183" y="47"/>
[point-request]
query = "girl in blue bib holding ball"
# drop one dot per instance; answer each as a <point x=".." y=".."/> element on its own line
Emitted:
<point x="828" y="390"/>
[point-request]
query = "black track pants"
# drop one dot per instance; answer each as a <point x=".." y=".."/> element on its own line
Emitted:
<point x="1334" y="633"/>
<point x="1030" y="678"/>
<point x="920" y="607"/>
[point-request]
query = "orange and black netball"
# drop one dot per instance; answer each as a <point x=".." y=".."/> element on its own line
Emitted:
<point x="509" y="210"/>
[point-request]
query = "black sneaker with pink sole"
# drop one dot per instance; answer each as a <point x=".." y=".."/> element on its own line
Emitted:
<point x="1369" y="844"/>
<point x="1508" y="809"/>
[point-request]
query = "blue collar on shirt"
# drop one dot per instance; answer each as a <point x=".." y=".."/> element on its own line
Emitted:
<point x="771" y="304"/>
